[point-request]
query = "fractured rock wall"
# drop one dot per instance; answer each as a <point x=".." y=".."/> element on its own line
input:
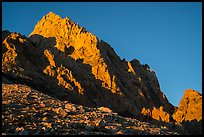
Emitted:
<point x="74" y="65"/>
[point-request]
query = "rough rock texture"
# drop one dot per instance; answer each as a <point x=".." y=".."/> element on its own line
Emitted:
<point x="74" y="65"/>
<point x="66" y="62"/>
<point x="188" y="115"/>
<point x="26" y="111"/>
<point x="158" y="114"/>
<point x="159" y="117"/>
<point x="189" y="111"/>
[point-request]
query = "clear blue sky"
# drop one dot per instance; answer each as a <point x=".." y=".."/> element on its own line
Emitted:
<point x="167" y="36"/>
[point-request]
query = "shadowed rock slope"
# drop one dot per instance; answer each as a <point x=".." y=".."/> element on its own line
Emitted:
<point x="65" y="61"/>
<point x="74" y="65"/>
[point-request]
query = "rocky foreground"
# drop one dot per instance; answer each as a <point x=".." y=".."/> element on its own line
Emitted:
<point x="26" y="111"/>
<point x="62" y="64"/>
<point x="71" y="63"/>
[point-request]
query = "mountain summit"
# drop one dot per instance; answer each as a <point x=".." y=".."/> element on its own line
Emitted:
<point x="97" y="73"/>
<point x="65" y="61"/>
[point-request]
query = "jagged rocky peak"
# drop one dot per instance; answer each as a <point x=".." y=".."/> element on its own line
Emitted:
<point x="191" y="93"/>
<point x="16" y="52"/>
<point x="74" y="65"/>
<point x="5" y="33"/>
<point x="72" y="40"/>
<point x="51" y="15"/>
<point x="189" y="112"/>
<point x="190" y="107"/>
<point x="135" y="62"/>
<point x="52" y="25"/>
<point x="65" y="61"/>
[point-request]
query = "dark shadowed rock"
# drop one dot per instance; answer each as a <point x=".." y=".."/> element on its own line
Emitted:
<point x="66" y="62"/>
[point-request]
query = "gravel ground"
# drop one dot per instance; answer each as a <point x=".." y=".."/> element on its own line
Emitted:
<point x="26" y="111"/>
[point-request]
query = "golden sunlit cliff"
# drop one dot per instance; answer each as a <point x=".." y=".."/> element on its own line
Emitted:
<point x="65" y="61"/>
<point x="189" y="111"/>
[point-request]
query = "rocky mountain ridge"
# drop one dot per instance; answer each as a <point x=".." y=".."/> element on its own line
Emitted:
<point x="76" y="61"/>
<point x="67" y="62"/>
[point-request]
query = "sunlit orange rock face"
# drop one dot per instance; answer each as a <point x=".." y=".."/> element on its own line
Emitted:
<point x="16" y="52"/>
<point x="190" y="107"/>
<point x="74" y="65"/>
<point x="75" y="42"/>
<point x="189" y="111"/>
<point x="157" y="114"/>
